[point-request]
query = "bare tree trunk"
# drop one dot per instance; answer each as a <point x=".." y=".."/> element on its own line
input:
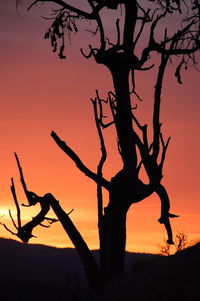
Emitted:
<point x="123" y="118"/>
<point x="113" y="223"/>
<point x="113" y="240"/>
<point x="124" y="192"/>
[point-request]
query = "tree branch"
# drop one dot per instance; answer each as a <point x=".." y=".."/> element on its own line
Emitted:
<point x="100" y="24"/>
<point x="103" y="157"/>
<point x="67" y="150"/>
<point x="16" y="203"/>
<point x="165" y="146"/>
<point x="11" y="217"/>
<point x="90" y="265"/>
<point x="47" y="201"/>
<point x="101" y="116"/>
<point x="82" y="13"/>
<point x="91" y="53"/>
<point x="145" y="20"/>
<point x="32" y="200"/>
<point x="67" y="6"/>
<point x="157" y="102"/>
<point x="165" y="215"/>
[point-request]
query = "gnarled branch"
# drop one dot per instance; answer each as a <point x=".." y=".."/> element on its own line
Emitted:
<point x="165" y="214"/>
<point x="46" y="202"/>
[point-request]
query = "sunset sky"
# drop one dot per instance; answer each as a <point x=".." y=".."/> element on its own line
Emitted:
<point x="39" y="92"/>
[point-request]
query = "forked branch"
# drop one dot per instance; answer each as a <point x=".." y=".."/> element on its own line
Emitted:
<point x="101" y="115"/>
<point x="164" y="150"/>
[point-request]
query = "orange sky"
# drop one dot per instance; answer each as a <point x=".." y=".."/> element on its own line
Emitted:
<point x="40" y="92"/>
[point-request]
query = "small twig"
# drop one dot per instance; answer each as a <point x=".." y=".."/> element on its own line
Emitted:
<point x="51" y="220"/>
<point x="93" y="32"/>
<point x="165" y="146"/>
<point x="86" y="56"/>
<point x="138" y="97"/>
<point x="32" y="4"/>
<point x="32" y="198"/>
<point x="14" y="224"/>
<point x="16" y="203"/>
<point x="101" y="116"/>
<point x="109" y="43"/>
<point x="143" y="128"/>
<point x="144" y="21"/>
<point x="45" y="226"/>
<point x="118" y="33"/>
<point x="112" y="103"/>
<point x="9" y="230"/>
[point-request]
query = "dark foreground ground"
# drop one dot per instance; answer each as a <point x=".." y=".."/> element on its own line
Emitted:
<point x="34" y="273"/>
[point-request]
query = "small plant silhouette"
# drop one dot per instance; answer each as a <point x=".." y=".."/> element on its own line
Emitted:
<point x="181" y="243"/>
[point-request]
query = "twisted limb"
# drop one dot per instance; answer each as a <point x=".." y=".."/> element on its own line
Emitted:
<point x="165" y="214"/>
<point x="47" y="201"/>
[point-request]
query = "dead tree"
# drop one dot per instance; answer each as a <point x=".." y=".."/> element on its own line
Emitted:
<point x="135" y="40"/>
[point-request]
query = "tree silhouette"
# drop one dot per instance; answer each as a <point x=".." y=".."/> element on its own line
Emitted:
<point x="169" y="28"/>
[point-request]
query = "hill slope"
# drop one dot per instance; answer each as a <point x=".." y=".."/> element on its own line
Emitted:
<point x="40" y="269"/>
<point x="41" y="264"/>
<point x="175" y="277"/>
<point x="37" y="272"/>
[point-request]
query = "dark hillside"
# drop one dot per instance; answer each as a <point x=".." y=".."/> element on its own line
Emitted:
<point x="175" y="277"/>
<point x="46" y="265"/>
<point x="40" y="264"/>
<point x="37" y="272"/>
<point x="29" y="271"/>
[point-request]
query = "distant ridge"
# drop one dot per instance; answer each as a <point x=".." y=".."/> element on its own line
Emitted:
<point x="35" y="263"/>
<point x="40" y="273"/>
